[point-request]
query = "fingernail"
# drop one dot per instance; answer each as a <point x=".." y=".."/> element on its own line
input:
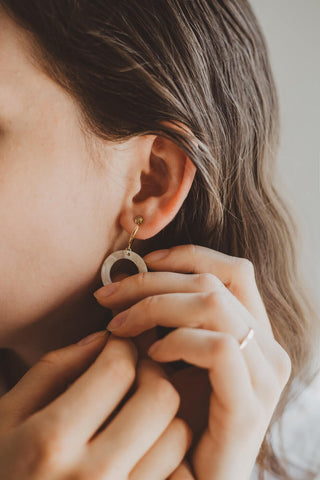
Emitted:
<point x="117" y="321"/>
<point x="154" y="347"/>
<point x="106" y="290"/>
<point x="92" y="337"/>
<point x="155" y="256"/>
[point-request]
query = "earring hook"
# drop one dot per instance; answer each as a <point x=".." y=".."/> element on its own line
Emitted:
<point x="139" y="221"/>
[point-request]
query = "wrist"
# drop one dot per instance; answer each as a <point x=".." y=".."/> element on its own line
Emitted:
<point x="219" y="460"/>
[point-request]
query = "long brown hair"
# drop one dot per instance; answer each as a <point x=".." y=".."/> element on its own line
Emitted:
<point x="133" y="65"/>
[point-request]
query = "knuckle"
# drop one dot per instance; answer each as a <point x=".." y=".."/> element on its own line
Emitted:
<point x="51" y="431"/>
<point x="183" y="430"/>
<point x="225" y="344"/>
<point x="208" y="281"/>
<point x="121" y="368"/>
<point x="142" y="279"/>
<point x="150" y="303"/>
<point x="190" y="250"/>
<point x="148" y="370"/>
<point x="43" y="445"/>
<point x="165" y="393"/>
<point x="123" y="347"/>
<point x="212" y="299"/>
<point x="244" y="266"/>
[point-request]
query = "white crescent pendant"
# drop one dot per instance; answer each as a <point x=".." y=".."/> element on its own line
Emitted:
<point x="120" y="255"/>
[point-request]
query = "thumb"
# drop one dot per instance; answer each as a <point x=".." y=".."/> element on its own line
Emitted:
<point x="50" y="376"/>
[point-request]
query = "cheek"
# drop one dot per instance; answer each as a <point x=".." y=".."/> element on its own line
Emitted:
<point x="53" y="233"/>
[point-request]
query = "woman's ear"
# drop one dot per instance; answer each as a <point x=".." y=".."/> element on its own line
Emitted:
<point x="162" y="181"/>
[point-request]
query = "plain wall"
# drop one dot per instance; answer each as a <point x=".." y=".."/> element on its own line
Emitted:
<point x="292" y="32"/>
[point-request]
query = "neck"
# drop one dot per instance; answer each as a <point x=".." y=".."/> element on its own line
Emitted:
<point x="77" y="317"/>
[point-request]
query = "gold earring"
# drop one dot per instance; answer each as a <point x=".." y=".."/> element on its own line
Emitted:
<point x="126" y="254"/>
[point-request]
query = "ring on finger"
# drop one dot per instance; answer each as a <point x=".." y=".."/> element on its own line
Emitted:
<point x="244" y="342"/>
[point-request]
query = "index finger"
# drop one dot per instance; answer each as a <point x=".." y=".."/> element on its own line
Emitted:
<point x="236" y="273"/>
<point x="95" y="394"/>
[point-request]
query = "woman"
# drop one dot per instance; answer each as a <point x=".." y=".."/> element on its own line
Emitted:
<point x="165" y="111"/>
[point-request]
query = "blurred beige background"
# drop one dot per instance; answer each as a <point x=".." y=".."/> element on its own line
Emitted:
<point x="291" y="28"/>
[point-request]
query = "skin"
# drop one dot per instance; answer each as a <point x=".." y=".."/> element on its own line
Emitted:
<point x="211" y="300"/>
<point x="57" y="228"/>
<point x="64" y="207"/>
<point x="56" y="222"/>
<point x="50" y="432"/>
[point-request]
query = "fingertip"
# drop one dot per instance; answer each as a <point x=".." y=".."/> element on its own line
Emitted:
<point x="156" y="255"/>
<point x="93" y="337"/>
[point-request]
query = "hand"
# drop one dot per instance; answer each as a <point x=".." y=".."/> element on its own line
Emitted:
<point x="55" y="426"/>
<point x="212" y="309"/>
<point x="182" y="472"/>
